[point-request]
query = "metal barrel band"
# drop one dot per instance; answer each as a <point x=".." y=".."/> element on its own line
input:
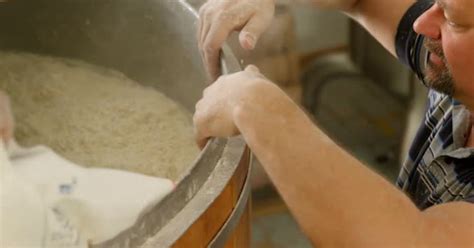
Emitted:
<point x="229" y="226"/>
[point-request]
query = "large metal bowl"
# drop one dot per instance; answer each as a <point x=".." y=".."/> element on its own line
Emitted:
<point x="146" y="40"/>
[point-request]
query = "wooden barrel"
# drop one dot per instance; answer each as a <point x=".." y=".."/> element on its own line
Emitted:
<point x="147" y="40"/>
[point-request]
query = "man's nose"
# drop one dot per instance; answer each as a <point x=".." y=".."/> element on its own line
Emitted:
<point x="429" y="23"/>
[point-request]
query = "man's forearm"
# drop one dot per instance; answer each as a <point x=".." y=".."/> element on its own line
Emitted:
<point x="337" y="200"/>
<point x="342" y="5"/>
<point x="380" y="18"/>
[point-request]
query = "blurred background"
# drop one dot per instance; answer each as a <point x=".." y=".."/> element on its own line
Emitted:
<point x="356" y="91"/>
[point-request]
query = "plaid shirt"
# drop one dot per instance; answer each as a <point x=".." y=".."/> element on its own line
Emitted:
<point x="439" y="168"/>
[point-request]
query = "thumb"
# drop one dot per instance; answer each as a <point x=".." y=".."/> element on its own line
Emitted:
<point x="252" y="31"/>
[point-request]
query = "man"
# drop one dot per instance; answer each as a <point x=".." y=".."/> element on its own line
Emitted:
<point x="337" y="200"/>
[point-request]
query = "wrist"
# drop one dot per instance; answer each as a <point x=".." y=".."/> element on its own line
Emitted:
<point x="262" y="98"/>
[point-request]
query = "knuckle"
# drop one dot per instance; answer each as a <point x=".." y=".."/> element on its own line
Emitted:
<point x="197" y="112"/>
<point x="195" y="120"/>
<point x="198" y="124"/>
<point x="222" y="78"/>
<point x="210" y="48"/>
<point x="200" y="130"/>
<point x="206" y="91"/>
<point x="197" y="107"/>
<point x="208" y="15"/>
<point x="221" y="16"/>
<point x="227" y="17"/>
<point x="201" y="50"/>
<point x="204" y="9"/>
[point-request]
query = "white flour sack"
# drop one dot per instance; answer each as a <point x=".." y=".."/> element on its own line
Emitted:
<point x="48" y="201"/>
<point x="95" y="151"/>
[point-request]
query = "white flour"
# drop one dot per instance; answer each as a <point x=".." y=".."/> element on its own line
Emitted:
<point x="95" y="116"/>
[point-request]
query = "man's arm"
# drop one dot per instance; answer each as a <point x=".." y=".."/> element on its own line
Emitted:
<point x="337" y="200"/>
<point x="380" y="18"/>
<point x="218" y="18"/>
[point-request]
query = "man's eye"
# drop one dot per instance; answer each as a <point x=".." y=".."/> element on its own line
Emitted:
<point x="453" y="24"/>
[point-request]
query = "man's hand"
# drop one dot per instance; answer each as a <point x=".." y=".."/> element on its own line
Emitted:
<point x="6" y="118"/>
<point x="218" y="18"/>
<point x="214" y="116"/>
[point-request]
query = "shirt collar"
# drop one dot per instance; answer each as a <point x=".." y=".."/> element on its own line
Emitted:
<point x="461" y="124"/>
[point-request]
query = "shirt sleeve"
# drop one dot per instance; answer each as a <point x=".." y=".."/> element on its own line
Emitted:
<point x="470" y="199"/>
<point x="406" y="36"/>
<point x="470" y="196"/>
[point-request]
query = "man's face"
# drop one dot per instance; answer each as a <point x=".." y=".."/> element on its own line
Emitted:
<point x="449" y="30"/>
<point x="438" y="75"/>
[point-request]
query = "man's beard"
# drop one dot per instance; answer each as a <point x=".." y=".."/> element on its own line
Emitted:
<point x="438" y="77"/>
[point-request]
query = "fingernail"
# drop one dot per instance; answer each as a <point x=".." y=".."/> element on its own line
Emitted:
<point x="252" y="68"/>
<point x="249" y="40"/>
